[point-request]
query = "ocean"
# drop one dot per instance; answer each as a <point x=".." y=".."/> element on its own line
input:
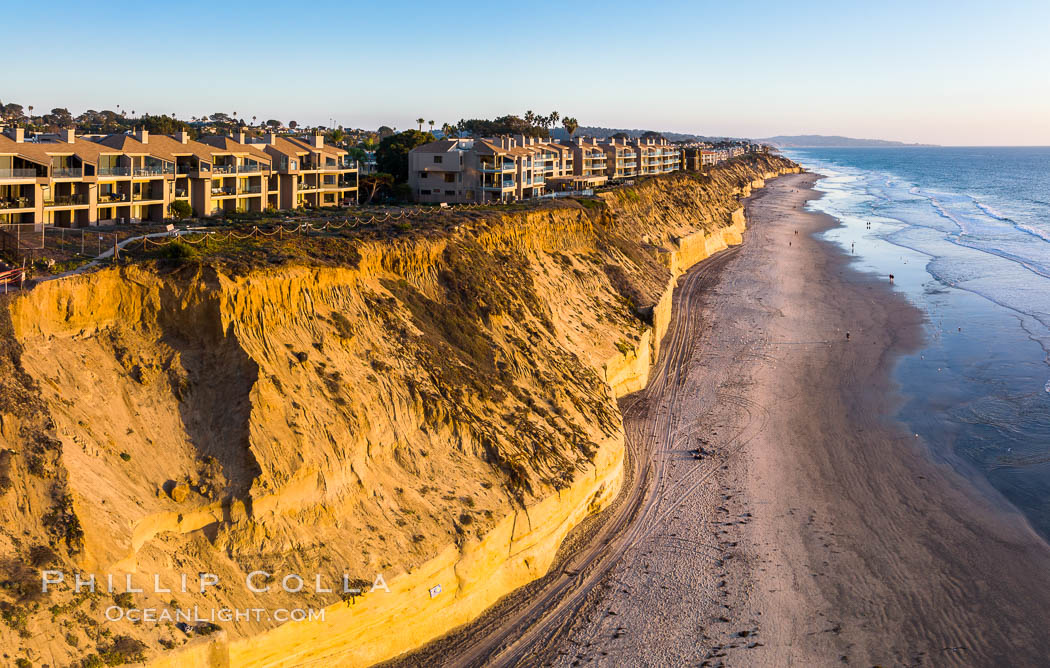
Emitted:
<point x="966" y="234"/>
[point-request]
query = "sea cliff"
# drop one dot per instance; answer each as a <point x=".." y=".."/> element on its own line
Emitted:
<point x="438" y="409"/>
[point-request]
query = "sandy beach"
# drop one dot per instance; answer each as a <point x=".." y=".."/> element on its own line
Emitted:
<point x="814" y="530"/>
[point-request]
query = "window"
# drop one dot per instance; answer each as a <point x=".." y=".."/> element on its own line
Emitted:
<point x="450" y="192"/>
<point x="422" y="175"/>
<point x="424" y="192"/>
<point x="438" y="159"/>
<point x="450" y="178"/>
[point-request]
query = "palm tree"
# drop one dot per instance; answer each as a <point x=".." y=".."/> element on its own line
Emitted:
<point x="421" y="121"/>
<point x="554" y="118"/>
<point x="431" y="126"/>
<point x="570" y="126"/>
<point x="447" y="130"/>
<point x="530" y="117"/>
<point x="253" y="121"/>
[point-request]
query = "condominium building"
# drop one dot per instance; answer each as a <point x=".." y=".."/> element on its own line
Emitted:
<point x="621" y="159"/>
<point x="71" y="181"/>
<point x="457" y="171"/>
<point x="657" y="156"/>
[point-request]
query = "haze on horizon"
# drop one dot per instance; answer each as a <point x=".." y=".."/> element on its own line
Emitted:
<point x="964" y="73"/>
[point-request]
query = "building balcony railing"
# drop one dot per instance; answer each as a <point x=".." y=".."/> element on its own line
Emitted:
<point x="186" y="170"/>
<point x="67" y="172"/>
<point x="146" y="197"/>
<point x="506" y="183"/>
<point x="497" y="169"/>
<point x="106" y="198"/>
<point x="224" y="169"/>
<point x="66" y="200"/>
<point x="223" y="191"/>
<point x="114" y="171"/>
<point x="252" y="169"/>
<point x="17" y="173"/>
<point x="251" y="190"/>
<point x="182" y="192"/>
<point x="154" y="170"/>
<point x="16" y="203"/>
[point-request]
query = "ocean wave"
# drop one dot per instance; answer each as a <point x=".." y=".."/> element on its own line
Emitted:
<point x="990" y="211"/>
<point x="943" y="212"/>
<point x="1042" y="234"/>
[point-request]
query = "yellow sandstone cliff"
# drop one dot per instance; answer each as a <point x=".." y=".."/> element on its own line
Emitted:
<point x="441" y="411"/>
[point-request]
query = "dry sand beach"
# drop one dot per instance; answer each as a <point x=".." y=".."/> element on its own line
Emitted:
<point x="815" y="530"/>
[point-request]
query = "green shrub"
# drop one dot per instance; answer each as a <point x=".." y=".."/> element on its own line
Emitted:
<point x="178" y="250"/>
<point x="180" y="209"/>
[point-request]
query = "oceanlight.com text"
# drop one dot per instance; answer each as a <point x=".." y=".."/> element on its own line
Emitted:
<point x="197" y="615"/>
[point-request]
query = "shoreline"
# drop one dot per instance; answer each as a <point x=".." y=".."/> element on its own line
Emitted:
<point x="829" y="534"/>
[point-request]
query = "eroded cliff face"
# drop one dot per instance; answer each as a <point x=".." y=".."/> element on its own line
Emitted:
<point x="440" y="412"/>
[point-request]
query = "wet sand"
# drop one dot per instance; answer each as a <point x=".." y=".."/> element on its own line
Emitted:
<point x="814" y="530"/>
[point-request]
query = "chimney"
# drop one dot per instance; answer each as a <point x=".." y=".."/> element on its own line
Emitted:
<point x="238" y="136"/>
<point x="271" y="138"/>
<point x="182" y="137"/>
<point x="317" y="141"/>
<point x="69" y="135"/>
<point x="17" y="134"/>
<point x="142" y="135"/>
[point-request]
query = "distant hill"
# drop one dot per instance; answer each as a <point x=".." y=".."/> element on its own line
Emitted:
<point x="829" y="141"/>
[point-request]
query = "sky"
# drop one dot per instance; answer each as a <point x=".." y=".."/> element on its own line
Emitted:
<point x="963" y="72"/>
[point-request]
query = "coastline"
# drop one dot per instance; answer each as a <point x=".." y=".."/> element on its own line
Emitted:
<point x="828" y="534"/>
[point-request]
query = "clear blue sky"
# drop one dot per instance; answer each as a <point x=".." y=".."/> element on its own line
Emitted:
<point x="959" y="72"/>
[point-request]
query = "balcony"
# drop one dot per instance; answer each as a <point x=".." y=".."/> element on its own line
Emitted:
<point x="224" y="169"/>
<point x="186" y="170"/>
<point x="108" y="198"/>
<point x="251" y="190"/>
<point x="17" y="173"/>
<point x="146" y="197"/>
<point x="182" y="192"/>
<point x="251" y="169"/>
<point x="497" y="169"/>
<point x="66" y="200"/>
<point x="114" y="171"/>
<point x="224" y="191"/>
<point x="154" y="170"/>
<point x="16" y="203"/>
<point x="507" y="183"/>
<point x="67" y="172"/>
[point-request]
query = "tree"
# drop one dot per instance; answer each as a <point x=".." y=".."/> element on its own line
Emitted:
<point x="384" y="131"/>
<point x="554" y="117"/>
<point x="431" y="126"/>
<point x="392" y="154"/>
<point x="448" y="130"/>
<point x="570" y="125"/>
<point x="374" y="184"/>
<point x="293" y="125"/>
<point x="650" y="134"/>
<point x="253" y="121"/>
<point x="530" y="117"/>
<point x="418" y="120"/>
<point x="180" y="209"/>
<point x="273" y="123"/>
